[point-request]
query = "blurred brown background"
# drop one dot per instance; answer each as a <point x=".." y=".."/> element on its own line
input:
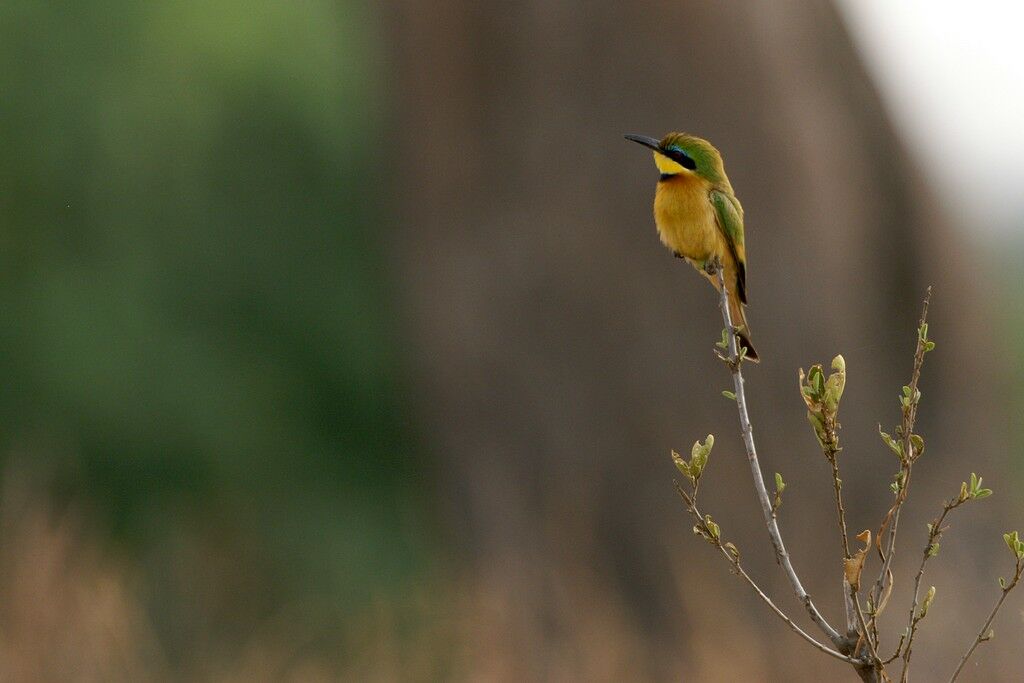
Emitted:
<point x="561" y="351"/>
<point x="341" y="345"/>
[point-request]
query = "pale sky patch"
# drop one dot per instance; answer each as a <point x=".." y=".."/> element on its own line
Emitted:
<point x="952" y="76"/>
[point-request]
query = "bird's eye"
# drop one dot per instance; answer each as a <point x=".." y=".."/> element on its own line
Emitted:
<point x="682" y="158"/>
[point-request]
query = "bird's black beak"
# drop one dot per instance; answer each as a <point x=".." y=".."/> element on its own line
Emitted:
<point x="645" y="141"/>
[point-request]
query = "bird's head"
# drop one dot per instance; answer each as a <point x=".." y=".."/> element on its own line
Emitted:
<point x="683" y="153"/>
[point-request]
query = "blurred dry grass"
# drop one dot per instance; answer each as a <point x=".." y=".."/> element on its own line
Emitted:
<point x="70" y="610"/>
<point x="67" y="612"/>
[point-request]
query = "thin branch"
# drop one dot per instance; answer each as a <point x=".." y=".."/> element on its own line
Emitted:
<point x="865" y="633"/>
<point x="781" y="556"/>
<point x="734" y="560"/>
<point x="850" y="606"/>
<point x="831" y="448"/>
<point x="822" y="398"/>
<point x="983" y="633"/>
<point x="899" y="646"/>
<point x="934" y="533"/>
<point x="907" y="461"/>
<point x="837" y="488"/>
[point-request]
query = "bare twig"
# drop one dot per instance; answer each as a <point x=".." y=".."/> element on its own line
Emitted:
<point x="782" y="557"/>
<point x="850" y="605"/>
<point x="983" y="634"/>
<point x="830" y="446"/>
<point x="734" y="560"/>
<point x="837" y="488"/>
<point x="899" y="647"/>
<point x="935" y="531"/>
<point x="865" y="634"/>
<point x="906" y="431"/>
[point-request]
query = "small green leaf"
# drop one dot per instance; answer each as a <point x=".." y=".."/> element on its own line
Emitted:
<point x="928" y="599"/>
<point x="895" y="446"/>
<point x="683" y="466"/>
<point x="729" y="395"/>
<point x="929" y="346"/>
<point x="724" y="344"/>
<point x="835" y="384"/>
<point x="982" y="493"/>
<point x="1014" y="543"/>
<point x="699" y="454"/>
<point x="1002" y="583"/>
<point x="933" y="550"/>
<point x="733" y="550"/>
<point x="819" y="426"/>
<point x="817" y="380"/>
<point x="780" y="486"/>
<point x="712" y="527"/>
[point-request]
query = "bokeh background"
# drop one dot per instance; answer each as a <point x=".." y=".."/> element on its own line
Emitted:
<point x="337" y="343"/>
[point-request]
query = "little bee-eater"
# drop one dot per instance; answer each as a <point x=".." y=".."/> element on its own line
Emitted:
<point x="699" y="218"/>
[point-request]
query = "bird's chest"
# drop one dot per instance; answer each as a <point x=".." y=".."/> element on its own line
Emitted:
<point x="686" y="219"/>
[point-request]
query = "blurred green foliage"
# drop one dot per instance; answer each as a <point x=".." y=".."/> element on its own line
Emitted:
<point x="194" y="324"/>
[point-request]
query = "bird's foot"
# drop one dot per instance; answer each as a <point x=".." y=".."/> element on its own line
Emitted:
<point x="677" y="254"/>
<point x="711" y="266"/>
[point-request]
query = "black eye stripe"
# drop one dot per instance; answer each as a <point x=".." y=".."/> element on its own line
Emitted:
<point x="682" y="159"/>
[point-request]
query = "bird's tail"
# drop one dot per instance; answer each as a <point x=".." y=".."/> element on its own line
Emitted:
<point x="739" y="321"/>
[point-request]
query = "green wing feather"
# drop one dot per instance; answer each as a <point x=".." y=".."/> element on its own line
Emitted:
<point x="730" y="222"/>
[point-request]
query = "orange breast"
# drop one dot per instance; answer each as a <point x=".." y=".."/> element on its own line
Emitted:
<point x="686" y="219"/>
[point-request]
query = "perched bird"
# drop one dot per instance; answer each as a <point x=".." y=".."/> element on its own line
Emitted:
<point x="699" y="218"/>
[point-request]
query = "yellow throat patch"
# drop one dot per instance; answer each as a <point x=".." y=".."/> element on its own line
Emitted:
<point x="666" y="165"/>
